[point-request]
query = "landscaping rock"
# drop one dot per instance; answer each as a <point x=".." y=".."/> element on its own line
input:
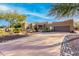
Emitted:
<point x="70" y="45"/>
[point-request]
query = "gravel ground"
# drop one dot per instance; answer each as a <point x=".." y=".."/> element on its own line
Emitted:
<point x="70" y="45"/>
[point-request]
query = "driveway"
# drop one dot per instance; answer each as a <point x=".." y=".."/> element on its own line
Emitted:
<point x="37" y="44"/>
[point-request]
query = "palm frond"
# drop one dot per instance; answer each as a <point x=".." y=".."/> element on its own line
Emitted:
<point x="65" y="10"/>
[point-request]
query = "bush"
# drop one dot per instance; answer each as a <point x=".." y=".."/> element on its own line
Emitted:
<point x="46" y="30"/>
<point x="17" y="30"/>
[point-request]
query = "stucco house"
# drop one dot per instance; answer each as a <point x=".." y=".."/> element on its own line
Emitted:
<point x="65" y="26"/>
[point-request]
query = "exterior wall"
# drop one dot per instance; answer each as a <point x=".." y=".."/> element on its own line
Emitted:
<point x="65" y="23"/>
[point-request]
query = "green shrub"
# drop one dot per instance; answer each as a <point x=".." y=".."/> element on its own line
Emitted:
<point x="17" y="30"/>
<point x="46" y="30"/>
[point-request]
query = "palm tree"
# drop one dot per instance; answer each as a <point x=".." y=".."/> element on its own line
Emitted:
<point x="64" y="10"/>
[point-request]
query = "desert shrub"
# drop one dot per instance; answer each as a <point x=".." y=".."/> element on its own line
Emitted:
<point x="17" y="30"/>
<point x="1" y="30"/>
<point x="17" y="26"/>
<point x="46" y="30"/>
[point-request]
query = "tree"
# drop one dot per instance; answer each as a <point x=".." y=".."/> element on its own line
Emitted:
<point x="14" y="18"/>
<point x="64" y="10"/>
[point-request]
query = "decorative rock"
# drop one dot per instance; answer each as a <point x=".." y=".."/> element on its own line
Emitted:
<point x="70" y="45"/>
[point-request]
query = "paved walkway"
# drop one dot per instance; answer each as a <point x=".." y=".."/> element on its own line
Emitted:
<point x="38" y="44"/>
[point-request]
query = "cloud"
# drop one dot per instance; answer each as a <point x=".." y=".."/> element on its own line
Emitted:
<point x="27" y="12"/>
<point x="6" y="8"/>
<point x="38" y="15"/>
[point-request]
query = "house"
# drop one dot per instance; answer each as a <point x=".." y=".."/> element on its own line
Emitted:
<point x="65" y="26"/>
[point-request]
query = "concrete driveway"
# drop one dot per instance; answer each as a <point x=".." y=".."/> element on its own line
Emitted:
<point x="37" y="44"/>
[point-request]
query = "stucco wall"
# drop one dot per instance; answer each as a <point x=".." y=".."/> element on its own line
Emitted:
<point x="65" y="23"/>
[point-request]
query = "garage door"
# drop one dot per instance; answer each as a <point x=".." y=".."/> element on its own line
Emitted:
<point x="61" y="28"/>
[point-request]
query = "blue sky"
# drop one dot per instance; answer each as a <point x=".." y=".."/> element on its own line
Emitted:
<point x="35" y="12"/>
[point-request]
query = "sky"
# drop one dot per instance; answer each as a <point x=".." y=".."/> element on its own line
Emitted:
<point x="35" y="12"/>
